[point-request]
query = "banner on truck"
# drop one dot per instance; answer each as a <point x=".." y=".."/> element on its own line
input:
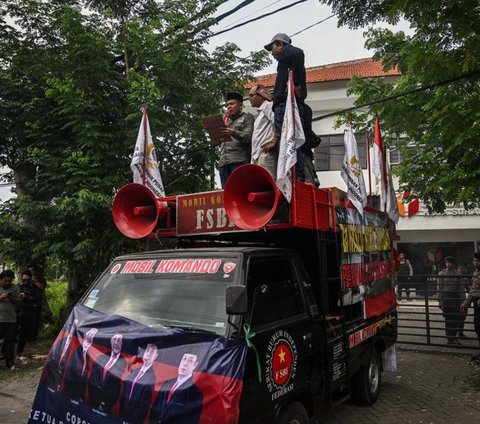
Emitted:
<point x="108" y="369"/>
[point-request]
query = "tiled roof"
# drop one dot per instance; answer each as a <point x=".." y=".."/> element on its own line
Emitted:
<point x="365" y="68"/>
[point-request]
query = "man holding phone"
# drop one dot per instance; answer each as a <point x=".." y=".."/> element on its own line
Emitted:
<point x="9" y="300"/>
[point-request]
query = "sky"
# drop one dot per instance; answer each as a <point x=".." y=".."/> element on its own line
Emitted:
<point x="323" y="44"/>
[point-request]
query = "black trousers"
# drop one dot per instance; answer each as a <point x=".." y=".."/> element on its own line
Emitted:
<point x="25" y="323"/>
<point x="7" y="332"/>
<point x="453" y="316"/>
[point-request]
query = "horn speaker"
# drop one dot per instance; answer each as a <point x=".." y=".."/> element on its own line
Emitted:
<point x="251" y="197"/>
<point x="136" y="211"/>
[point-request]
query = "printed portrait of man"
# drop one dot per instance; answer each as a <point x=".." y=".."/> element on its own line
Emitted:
<point x="138" y="388"/>
<point x="78" y="368"/>
<point x="179" y="400"/>
<point x="105" y="380"/>
<point x="58" y="357"/>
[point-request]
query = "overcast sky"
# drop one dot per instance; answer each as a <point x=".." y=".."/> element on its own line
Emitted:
<point x="322" y="44"/>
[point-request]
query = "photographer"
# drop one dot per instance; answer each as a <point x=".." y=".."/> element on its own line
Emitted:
<point x="9" y="299"/>
<point x="31" y="298"/>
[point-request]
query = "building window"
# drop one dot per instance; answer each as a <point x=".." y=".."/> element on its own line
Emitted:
<point x="329" y="154"/>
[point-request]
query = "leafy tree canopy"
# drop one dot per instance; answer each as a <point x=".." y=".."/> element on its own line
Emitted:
<point x="442" y="120"/>
<point x="74" y="75"/>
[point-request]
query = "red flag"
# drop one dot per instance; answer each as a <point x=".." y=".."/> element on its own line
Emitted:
<point x="379" y="167"/>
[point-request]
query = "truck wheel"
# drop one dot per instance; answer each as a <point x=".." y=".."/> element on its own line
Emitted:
<point x="294" y="413"/>
<point x="366" y="383"/>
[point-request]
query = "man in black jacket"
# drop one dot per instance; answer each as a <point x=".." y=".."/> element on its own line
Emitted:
<point x="289" y="58"/>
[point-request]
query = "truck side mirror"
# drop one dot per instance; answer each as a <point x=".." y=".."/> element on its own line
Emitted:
<point x="236" y="300"/>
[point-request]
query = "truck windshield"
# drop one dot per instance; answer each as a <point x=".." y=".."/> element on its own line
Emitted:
<point x="184" y="293"/>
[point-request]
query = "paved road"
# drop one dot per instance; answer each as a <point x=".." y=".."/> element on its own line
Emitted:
<point x="428" y="388"/>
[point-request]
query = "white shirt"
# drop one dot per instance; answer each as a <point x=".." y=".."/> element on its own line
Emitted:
<point x="262" y="128"/>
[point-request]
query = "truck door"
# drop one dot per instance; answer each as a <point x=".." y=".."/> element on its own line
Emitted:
<point x="283" y="338"/>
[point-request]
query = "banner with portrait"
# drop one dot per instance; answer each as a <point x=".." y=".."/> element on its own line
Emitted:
<point x="108" y="369"/>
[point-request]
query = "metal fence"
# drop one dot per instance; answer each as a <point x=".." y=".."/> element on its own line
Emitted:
<point x="421" y="321"/>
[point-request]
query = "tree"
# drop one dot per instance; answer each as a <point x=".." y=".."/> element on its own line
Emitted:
<point x="73" y="78"/>
<point x="441" y="166"/>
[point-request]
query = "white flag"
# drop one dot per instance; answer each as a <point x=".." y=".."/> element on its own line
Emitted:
<point x="392" y="205"/>
<point x="352" y="172"/>
<point x="144" y="162"/>
<point x="292" y="138"/>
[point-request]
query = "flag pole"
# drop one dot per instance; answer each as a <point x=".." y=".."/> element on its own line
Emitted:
<point x="369" y="167"/>
<point x="144" y="146"/>
<point x="292" y="99"/>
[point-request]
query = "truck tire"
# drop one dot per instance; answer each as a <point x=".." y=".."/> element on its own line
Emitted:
<point x="294" y="413"/>
<point x="366" y="383"/>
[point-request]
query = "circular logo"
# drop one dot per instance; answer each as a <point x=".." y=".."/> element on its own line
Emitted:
<point x="282" y="364"/>
<point x="281" y="360"/>
<point x="115" y="268"/>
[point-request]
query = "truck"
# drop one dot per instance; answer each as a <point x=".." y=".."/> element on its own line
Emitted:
<point x="306" y="288"/>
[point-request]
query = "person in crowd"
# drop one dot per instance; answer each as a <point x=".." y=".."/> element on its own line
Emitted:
<point x="289" y="58"/>
<point x="9" y="301"/>
<point x="264" y="142"/>
<point x="473" y="297"/>
<point x="236" y="149"/>
<point x="450" y="297"/>
<point x="404" y="276"/>
<point x="179" y="400"/>
<point x="41" y="283"/>
<point x="138" y="388"/>
<point x="78" y="368"/>
<point x="31" y="297"/>
<point x="465" y="282"/>
<point x="106" y="376"/>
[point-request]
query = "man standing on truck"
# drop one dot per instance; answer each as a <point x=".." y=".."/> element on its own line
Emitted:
<point x="264" y="143"/>
<point x="179" y="401"/>
<point x="236" y="149"/>
<point x="474" y="297"/>
<point x="450" y="297"/>
<point x="289" y="58"/>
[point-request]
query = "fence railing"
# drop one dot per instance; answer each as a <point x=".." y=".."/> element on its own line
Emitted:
<point x="431" y="315"/>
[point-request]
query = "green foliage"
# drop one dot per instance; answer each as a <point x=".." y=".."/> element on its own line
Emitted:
<point x="443" y="120"/>
<point x="56" y="293"/>
<point x="74" y="76"/>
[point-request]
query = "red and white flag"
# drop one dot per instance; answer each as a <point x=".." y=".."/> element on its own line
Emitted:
<point x="379" y="168"/>
<point x="144" y="163"/>
<point x="292" y="138"/>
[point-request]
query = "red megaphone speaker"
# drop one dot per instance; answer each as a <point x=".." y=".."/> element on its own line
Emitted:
<point x="136" y="210"/>
<point x="251" y="197"/>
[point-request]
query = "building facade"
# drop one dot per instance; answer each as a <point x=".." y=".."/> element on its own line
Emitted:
<point x="425" y="239"/>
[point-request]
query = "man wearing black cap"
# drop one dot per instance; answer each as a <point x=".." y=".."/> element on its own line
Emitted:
<point x="289" y="58"/>
<point x="235" y="150"/>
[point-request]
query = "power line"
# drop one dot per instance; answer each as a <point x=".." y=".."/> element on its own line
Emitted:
<point x="398" y="95"/>
<point x="235" y="9"/>
<point x="250" y="14"/>
<point x="255" y="19"/>
<point x="311" y="26"/>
